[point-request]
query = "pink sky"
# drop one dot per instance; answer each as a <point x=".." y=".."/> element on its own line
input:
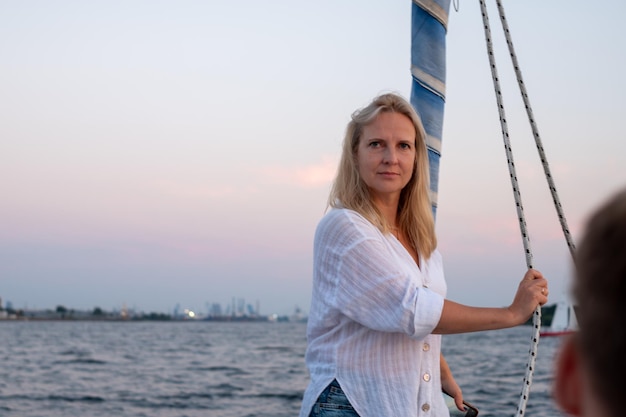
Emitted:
<point x="184" y="156"/>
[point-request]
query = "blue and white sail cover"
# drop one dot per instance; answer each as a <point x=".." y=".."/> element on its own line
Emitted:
<point x="429" y="22"/>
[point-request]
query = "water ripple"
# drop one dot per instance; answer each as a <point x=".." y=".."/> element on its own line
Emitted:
<point x="141" y="369"/>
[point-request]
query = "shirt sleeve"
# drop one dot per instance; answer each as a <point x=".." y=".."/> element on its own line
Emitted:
<point x="365" y="281"/>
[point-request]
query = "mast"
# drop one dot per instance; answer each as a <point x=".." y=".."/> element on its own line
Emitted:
<point x="429" y="22"/>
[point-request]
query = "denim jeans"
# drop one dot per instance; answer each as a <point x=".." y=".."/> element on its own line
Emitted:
<point x="332" y="402"/>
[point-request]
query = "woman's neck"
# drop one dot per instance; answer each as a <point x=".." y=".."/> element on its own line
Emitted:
<point x="389" y="211"/>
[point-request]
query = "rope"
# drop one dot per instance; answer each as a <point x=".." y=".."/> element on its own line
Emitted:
<point x="521" y="408"/>
<point x="533" y="125"/>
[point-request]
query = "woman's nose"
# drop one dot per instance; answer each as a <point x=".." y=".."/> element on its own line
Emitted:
<point x="390" y="156"/>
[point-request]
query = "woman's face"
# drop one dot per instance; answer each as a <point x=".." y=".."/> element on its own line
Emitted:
<point x="386" y="154"/>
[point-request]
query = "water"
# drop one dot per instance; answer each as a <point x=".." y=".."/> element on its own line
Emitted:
<point x="177" y="369"/>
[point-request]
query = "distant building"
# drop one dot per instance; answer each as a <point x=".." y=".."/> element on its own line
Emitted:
<point x="215" y="310"/>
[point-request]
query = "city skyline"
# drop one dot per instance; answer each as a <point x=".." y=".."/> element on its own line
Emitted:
<point x="236" y="307"/>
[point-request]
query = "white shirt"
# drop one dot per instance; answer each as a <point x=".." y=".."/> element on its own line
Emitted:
<point x="372" y="313"/>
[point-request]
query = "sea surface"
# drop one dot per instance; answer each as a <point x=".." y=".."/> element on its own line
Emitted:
<point x="221" y="369"/>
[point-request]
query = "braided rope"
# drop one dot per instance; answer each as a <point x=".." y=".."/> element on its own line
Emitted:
<point x="521" y="408"/>
<point x="533" y="125"/>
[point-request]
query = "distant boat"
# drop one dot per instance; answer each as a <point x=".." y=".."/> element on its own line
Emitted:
<point x="563" y="322"/>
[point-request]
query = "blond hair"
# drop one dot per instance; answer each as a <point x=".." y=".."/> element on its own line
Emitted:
<point x="415" y="216"/>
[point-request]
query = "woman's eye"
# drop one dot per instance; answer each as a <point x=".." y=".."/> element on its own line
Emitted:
<point x="374" y="144"/>
<point x="405" y="145"/>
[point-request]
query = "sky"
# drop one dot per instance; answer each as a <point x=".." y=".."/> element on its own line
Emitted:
<point x="161" y="153"/>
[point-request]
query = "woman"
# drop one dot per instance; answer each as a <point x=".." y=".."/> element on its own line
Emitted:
<point x="378" y="306"/>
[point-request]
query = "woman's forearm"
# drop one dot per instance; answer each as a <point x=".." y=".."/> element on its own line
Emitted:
<point x="459" y="318"/>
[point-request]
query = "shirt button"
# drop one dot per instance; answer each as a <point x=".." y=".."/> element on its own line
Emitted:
<point x="425" y="347"/>
<point x="426" y="377"/>
<point x="426" y="407"/>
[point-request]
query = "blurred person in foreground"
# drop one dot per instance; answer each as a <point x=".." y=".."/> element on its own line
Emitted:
<point x="378" y="307"/>
<point x="591" y="366"/>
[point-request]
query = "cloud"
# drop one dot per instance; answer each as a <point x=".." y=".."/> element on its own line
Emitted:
<point x="308" y="176"/>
